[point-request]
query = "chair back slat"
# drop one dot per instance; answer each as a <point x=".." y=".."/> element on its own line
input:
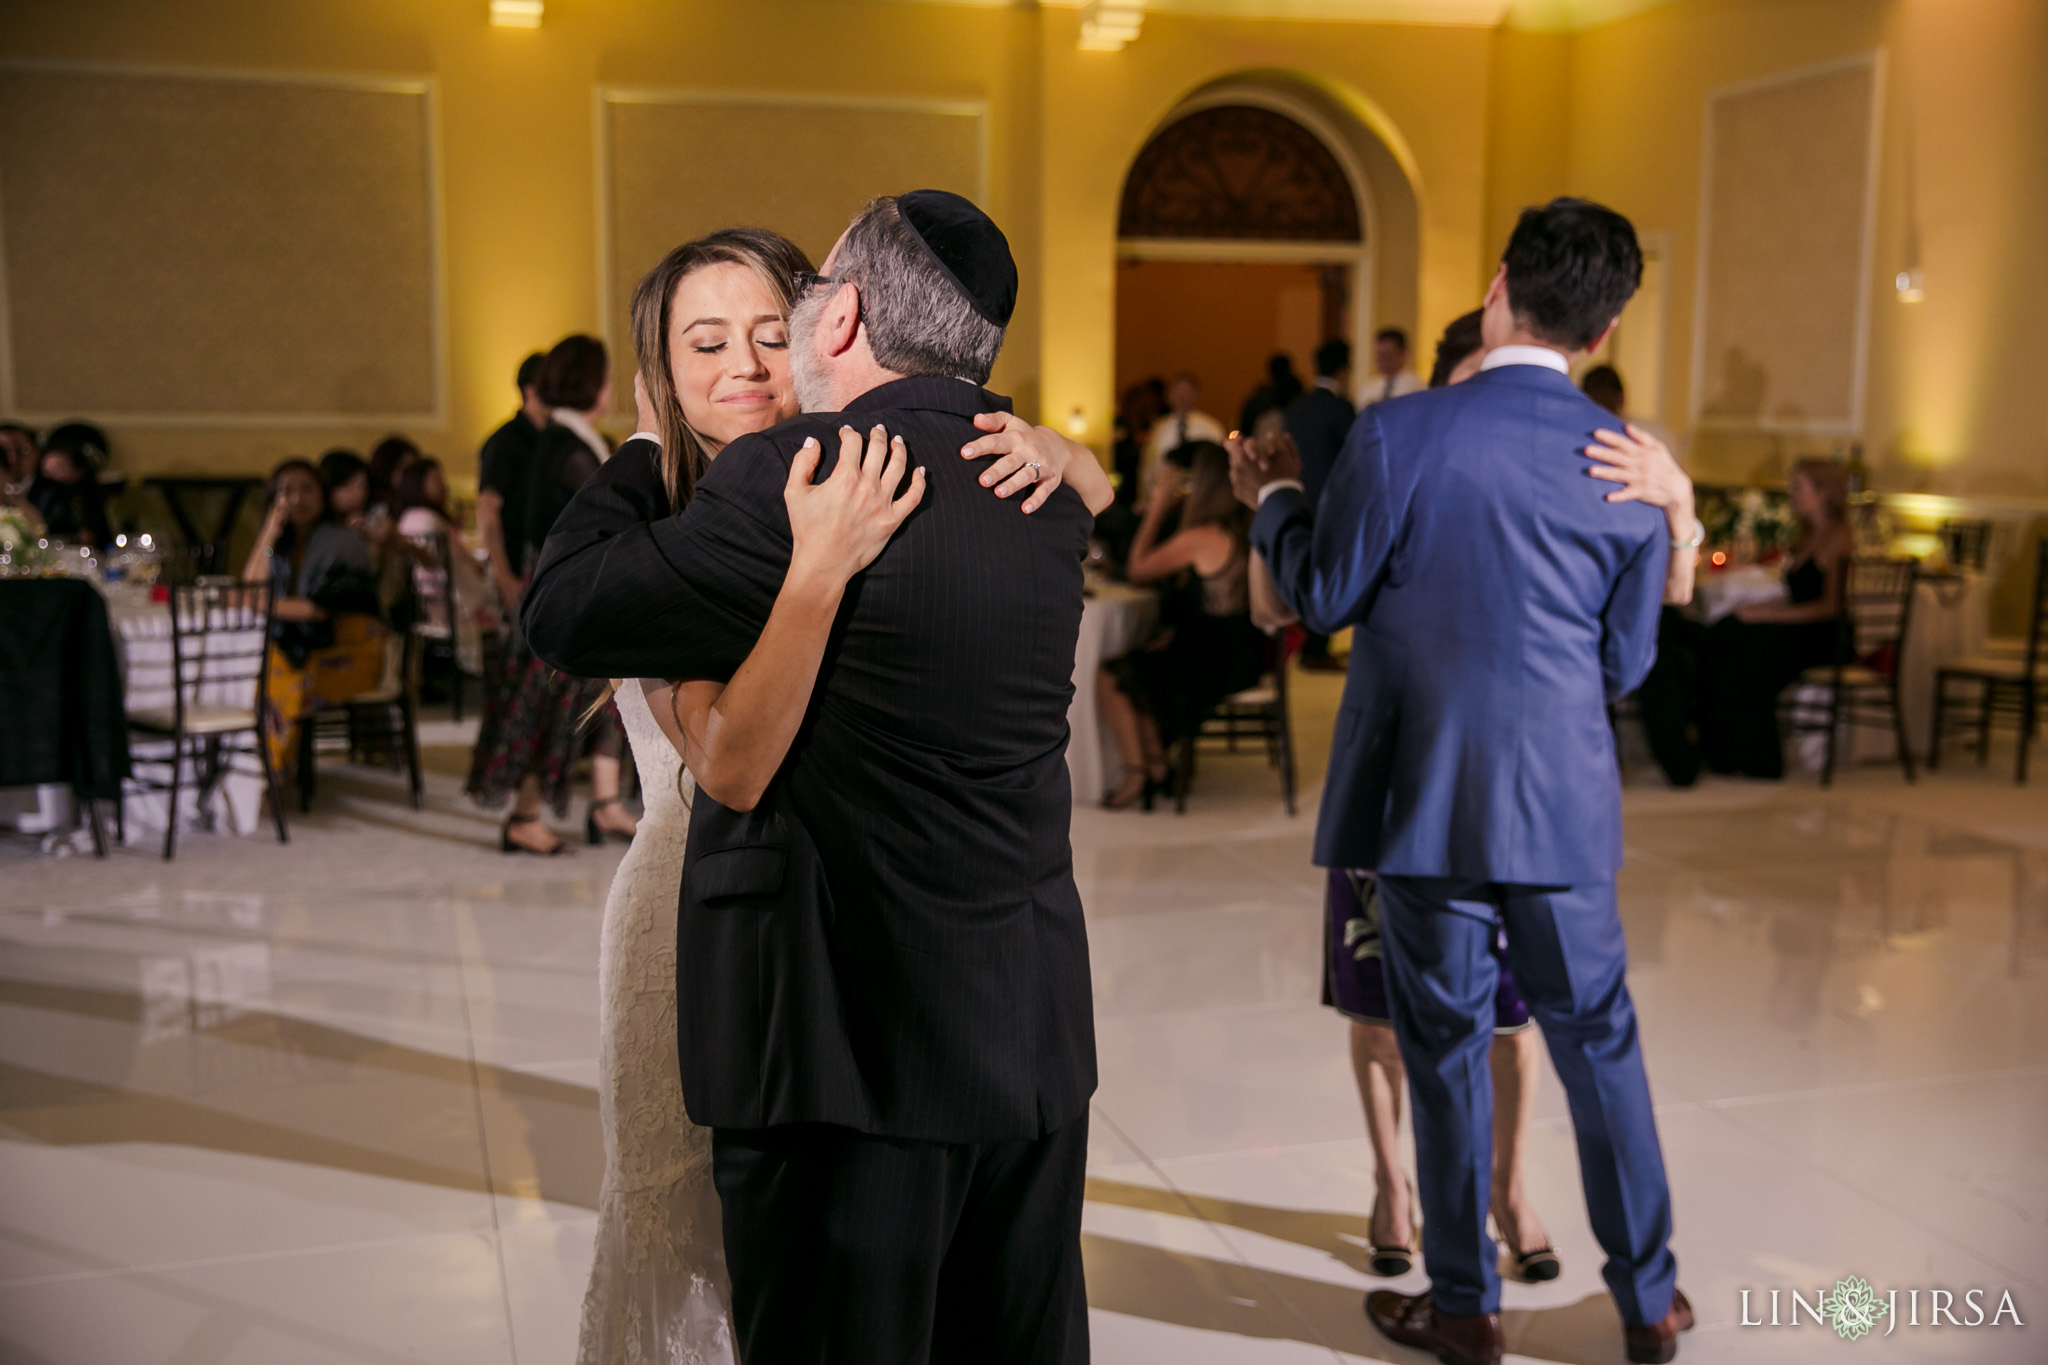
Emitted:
<point x="1878" y="601"/>
<point x="2037" y="619"/>
<point x="1966" y="542"/>
<point x="220" y="644"/>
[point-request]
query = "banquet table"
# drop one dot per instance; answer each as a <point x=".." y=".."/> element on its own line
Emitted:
<point x="62" y="730"/>
<point x="1115" y="618"/>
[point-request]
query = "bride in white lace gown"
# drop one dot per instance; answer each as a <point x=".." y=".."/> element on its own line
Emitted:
<point x="710" y="325"/>
<point x="657" y="1288"/>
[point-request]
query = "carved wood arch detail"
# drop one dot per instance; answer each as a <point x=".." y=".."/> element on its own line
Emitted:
<point x="1239" y="172"/>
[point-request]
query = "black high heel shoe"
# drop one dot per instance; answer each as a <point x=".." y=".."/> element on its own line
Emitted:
<point x="594" y="833"/>
<point x="506" y="844"/>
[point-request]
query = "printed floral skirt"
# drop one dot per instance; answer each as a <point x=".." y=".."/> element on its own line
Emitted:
<point x="533" y="726"/>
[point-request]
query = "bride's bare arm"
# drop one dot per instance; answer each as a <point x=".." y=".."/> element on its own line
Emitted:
<point x="734" y="735"/>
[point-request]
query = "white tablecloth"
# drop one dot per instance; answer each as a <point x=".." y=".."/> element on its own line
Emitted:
<point x="1718" y="594"/>
<point x="1950" y="619"/>
<point x="1113" y="622"/>
<point x="142" y="633"/>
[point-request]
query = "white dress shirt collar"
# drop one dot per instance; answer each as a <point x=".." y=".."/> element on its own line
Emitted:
<point x="1526" y="355"/>
<point x="585" y="432"/>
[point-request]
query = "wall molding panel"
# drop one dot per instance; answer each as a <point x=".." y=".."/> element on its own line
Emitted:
<point x="1788" y="212"/>
<point x="676" y="164"/>
<point x="187" y="247"/>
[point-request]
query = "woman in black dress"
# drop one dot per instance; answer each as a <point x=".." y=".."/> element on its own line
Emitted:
<point x="1750" y="657"/>
<point x="1207" y="647"/>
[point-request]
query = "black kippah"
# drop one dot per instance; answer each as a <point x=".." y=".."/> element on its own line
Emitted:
<point x="968" y="246"/>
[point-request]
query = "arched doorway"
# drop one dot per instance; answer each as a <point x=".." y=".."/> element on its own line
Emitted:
<point x="1243" y="231"/>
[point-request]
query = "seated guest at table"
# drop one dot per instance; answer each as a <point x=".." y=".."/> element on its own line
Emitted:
<point x="455" y="595"/>
<point x="387" y="462"/>
<point x="329" y="636"/>
<point x="19" y="458"/>
<point x="348" y="486"/>
<point x="1755" y="654"/>
<point x="1208" y="647"/>
<point x="66" y="491"/>
<point x="1712" y="698"/>
<point x="533" y="730"/>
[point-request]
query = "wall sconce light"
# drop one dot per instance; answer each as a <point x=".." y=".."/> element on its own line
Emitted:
<point x="1908" y="283"/>
<point x="516" y="13"/>
<point x="1106" y="25"/>
<point x="1077" y="424"/>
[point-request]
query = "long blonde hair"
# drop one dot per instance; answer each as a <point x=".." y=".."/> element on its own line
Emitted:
<point x="770" y="255"/>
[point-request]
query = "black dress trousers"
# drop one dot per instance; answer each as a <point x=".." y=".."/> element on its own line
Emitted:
<point x="848" y="1249"/>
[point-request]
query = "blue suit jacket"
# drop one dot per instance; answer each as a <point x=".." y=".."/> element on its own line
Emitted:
<point x="1499" y="603"/>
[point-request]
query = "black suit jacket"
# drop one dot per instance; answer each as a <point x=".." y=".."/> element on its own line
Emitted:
<point x="892" y="940"/>
<point x="1319" y="421"/>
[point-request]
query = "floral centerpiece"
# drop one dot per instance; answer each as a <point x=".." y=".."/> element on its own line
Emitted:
<point x="22" y="543"/>
<point x="1755" y="522"/>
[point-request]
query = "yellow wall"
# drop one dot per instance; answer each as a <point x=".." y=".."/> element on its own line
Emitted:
<point x="1956" y="404"/>
<point x="519" y="174"/>
<point x="1476" y="123"/>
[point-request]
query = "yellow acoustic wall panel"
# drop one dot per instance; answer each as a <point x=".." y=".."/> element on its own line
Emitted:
<point x="679" y="164"/>
<point x="1787" y="217"/>
<point x="206" y="249"/>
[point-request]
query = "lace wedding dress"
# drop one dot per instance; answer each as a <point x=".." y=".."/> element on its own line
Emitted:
<point x="658" y="1291"/>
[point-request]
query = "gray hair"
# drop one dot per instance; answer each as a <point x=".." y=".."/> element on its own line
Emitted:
<point x="918" y="320"/>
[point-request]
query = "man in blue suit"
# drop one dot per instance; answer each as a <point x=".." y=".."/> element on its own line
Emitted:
<point x="1498" y="603"/>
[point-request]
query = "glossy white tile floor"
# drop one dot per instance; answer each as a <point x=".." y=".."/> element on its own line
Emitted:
<point x="333" y="1102"/>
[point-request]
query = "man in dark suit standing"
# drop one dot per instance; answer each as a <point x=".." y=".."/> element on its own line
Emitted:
<point x="1319" y="421"/>
<point x="1498" y="603"/>
<point x="883" y="1007"/>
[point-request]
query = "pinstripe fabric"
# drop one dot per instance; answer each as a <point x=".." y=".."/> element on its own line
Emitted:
<point x="892" y="942"/>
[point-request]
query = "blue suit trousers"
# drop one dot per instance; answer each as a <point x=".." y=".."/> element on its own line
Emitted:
<point x="1568" y="956"/>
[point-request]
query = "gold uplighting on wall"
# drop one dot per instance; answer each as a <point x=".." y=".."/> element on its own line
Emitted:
<point x="516" y="13"/>
<point x="1106" y="25"/>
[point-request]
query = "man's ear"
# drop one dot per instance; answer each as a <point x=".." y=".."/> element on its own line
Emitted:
<point x="840" y="325"/>
<point x="1499" y="287"/>
<point x="1601" y="340"/>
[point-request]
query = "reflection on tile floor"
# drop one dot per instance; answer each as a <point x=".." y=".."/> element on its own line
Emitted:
<point x="334" y="1101"/>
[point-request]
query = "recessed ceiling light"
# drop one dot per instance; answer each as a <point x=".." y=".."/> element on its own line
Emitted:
<point x="516" y="13"/>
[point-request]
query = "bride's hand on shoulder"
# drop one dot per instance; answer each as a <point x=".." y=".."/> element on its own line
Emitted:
<point x="840" y="525"/>
<point x="1037" y="458"/>
<point x="1643" y="466"/>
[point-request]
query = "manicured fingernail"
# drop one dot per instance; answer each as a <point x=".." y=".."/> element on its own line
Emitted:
<point x="810" y="441"/>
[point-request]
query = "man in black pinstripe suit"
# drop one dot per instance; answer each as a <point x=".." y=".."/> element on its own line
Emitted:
<point x="884" y="1006"/>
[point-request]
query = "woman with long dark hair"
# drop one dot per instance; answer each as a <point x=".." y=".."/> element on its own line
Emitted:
<point x="1207" y="647"/>
<point x="329" y="635"/>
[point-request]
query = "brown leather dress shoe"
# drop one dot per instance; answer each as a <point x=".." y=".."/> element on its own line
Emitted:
<point x="1412" y="1320"/>
<point x="1653" y="1343"/>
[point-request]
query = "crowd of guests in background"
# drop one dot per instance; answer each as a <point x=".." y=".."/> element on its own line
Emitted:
<point x="356" y="550"/>
<point x="53" y="482"/>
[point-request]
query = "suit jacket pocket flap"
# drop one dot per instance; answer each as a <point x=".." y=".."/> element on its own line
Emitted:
<point x="729" y="874"/>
